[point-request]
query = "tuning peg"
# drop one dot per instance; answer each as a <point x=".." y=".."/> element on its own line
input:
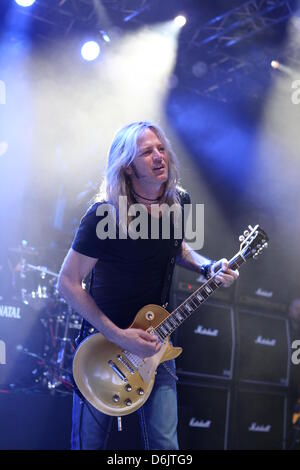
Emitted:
<point x="246" y="233"/>
<point x="255" y="256"/>
<point x="241" y="238"/>
<point x="258" y="245"/>
<point x="265" y="245"/>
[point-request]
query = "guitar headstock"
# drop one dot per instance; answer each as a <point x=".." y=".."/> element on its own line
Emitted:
<point x="253" y="241"/>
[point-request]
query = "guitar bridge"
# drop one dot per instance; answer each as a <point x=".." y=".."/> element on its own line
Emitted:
<point x="126" y="363"/>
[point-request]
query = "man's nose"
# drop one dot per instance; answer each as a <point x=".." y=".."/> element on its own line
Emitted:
<point x="157" y="155"/>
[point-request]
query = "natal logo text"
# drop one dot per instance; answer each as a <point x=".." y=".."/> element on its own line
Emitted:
<point x="9" y="311"/>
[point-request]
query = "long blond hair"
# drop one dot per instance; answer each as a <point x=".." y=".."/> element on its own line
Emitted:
<point x="122" y="153"/>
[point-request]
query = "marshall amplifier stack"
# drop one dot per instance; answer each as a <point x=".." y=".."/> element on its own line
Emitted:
<point x="263" y="344"/>
<point x="208" y="334"/>
<point x="205" y="370"/>
<point x="259" y="419"/>
<point x="263" y="360"/>
<point x="262" y="378"/>
<point x="206" y="366"/>
<point x="263" y="289"/>
<point x="234" y="370"/>
<point x="203" y="416"/>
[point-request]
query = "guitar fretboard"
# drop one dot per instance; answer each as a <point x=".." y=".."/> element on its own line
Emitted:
<point x="193" y="302"/>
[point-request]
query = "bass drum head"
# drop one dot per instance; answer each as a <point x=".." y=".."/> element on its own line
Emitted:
<point x="22" y="345"/>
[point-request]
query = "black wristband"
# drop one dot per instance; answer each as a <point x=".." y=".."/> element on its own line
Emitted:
<point x="205" y="269"/>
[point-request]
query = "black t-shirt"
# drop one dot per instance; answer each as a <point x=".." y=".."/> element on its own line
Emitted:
<point x="129" y="273"/>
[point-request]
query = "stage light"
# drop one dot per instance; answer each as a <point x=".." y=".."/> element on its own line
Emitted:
<point x="180" y="21"/>
<point x="283" y="68"/>
<point x="275" y="64"/>
<point x="90" y="50"/>
<point x="25" y="3"/>
<point x="105" y="36"/>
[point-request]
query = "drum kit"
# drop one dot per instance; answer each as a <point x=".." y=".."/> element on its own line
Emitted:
<point x="37" y="328"/>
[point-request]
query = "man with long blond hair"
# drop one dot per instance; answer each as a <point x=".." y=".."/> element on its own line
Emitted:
<point x="129" y="272"/>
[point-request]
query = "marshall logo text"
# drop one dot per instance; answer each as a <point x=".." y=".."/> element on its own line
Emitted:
<point x="195" y="423"/>
<point x="200" y="330"/>
<point x="265" y="341"/>
<point x="259" y="428"/>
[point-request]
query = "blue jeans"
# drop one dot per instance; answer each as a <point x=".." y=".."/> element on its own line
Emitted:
<point x="157" y="417"/>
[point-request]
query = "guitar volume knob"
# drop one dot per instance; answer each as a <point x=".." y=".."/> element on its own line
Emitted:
<point x="140" y="391"/>
<point x="128" y="402"/>
<point x="116" y="398"/>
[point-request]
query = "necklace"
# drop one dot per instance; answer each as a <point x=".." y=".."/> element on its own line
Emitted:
<point x="145" y="198"/>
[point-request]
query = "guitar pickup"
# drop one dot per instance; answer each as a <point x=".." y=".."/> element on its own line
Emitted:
<point x="116" y="369"/>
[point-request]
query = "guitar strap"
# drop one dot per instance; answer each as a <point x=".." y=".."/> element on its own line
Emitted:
<point x="175" y="248"/>
<point x="176" y="244"/>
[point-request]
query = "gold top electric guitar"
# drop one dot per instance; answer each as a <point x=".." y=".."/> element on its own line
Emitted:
<point x="118" y="382"/>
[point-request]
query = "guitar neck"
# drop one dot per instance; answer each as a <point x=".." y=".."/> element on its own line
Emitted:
<point x="193" y="302"/>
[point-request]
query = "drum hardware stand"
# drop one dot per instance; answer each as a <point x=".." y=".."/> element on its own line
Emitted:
<point x="58" y="364"/>
<point x="65" y="340"/>
<point x="41" y="360"/>
<point x="51" y="368"/>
